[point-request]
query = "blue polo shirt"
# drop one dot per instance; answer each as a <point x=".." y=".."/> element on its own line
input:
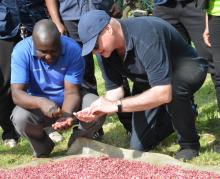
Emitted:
<point x="47" y="80"/>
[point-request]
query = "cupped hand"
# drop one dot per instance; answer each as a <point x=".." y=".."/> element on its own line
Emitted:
<point x="85" y="115"/>
<point x="63" y="123"/>
<point x="97" y="109"/>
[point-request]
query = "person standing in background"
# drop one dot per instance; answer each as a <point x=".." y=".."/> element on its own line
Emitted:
<point x="17" y="19"/>
<point x="66" y="15"/>
<point x="189" y="21"/>
<point x="212" y="39"/>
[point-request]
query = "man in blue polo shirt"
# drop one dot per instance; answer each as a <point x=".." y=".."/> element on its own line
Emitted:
<point x="166" y="72"/>
<point x="46" y="72"/>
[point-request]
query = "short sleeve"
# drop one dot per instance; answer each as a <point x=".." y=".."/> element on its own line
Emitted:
<point x="19" y="66"/>
<point x="111" y="71"/>
<point x="75" y="70"/>
<point x="156" y="61"/>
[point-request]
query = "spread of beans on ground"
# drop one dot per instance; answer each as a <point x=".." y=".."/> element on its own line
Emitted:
<point x="103" y="167"/>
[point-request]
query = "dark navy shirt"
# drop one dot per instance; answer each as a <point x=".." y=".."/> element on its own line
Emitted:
<point x="153" y="47"/>
<point x="16" y="12"/>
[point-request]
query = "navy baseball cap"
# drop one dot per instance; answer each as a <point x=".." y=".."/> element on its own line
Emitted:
<point x="89" y="27"/>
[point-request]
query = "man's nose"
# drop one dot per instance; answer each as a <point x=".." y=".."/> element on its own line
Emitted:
<point x="48" y="57"/>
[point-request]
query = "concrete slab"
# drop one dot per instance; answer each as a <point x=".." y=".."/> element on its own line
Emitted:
<point x="87" y="147"/>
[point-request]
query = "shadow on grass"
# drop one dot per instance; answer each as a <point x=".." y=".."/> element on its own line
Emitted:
<point x="115" y="133"/>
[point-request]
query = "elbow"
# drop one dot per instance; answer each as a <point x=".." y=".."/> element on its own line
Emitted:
<point x="14" y="98"/>
<point x="168" y="94"/>
<point x="168" y="98"/>
<point x="165" y="93"/>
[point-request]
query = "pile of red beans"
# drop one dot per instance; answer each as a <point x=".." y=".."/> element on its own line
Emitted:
<point x="104" y="168"/>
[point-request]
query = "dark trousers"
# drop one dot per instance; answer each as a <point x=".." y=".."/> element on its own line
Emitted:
<point x="151" y="126"/>
<point x="189" y="21"/>
<point x="6" y="103"/>
<point x="214" y="31"/>
<point x="89" y="77"/>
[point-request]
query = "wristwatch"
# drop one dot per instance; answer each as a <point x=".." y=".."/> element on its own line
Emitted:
<point x="119" y="105"/>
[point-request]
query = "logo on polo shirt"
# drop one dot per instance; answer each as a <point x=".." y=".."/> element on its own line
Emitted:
<point x="37" y="69"/>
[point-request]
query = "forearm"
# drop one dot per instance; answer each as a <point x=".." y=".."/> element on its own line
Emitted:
<point x="71" y="102"/>
<point x="206" y="23"/>
<point x="149" y="99"/>
<point x="22" y="99"/>
<point x="115" y="94"/>
<point x="53" y="10"/>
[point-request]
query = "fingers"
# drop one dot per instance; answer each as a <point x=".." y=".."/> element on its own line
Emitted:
<point x="57" y="113"/>
<point x="85" y="116"/>
<point x="59" y="126"/>
<point x="62" y="124"/>
<point x="207" y="42"/>
<point x="54" y="111"/>
<point x="206" y="38"/>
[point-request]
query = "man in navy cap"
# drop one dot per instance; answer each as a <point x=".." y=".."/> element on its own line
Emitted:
<point x="166" y="72"/>
<point x="66" y="15"/>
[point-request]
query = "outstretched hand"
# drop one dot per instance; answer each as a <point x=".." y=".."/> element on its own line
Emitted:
<point x="97" y="109"/>
<point x="63" y="123"/>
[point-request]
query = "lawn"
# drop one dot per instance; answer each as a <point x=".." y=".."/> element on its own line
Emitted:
<point x="208" y="125"/>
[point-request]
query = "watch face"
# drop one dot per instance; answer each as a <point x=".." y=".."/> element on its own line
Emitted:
<point x="119" y="105"/>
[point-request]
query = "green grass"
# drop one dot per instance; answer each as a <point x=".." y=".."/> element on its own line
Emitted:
<point x="208" y="125"/>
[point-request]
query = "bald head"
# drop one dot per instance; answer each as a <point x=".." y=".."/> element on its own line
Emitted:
<point x="45" y="31"/>
<point x="46" y="38"/>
